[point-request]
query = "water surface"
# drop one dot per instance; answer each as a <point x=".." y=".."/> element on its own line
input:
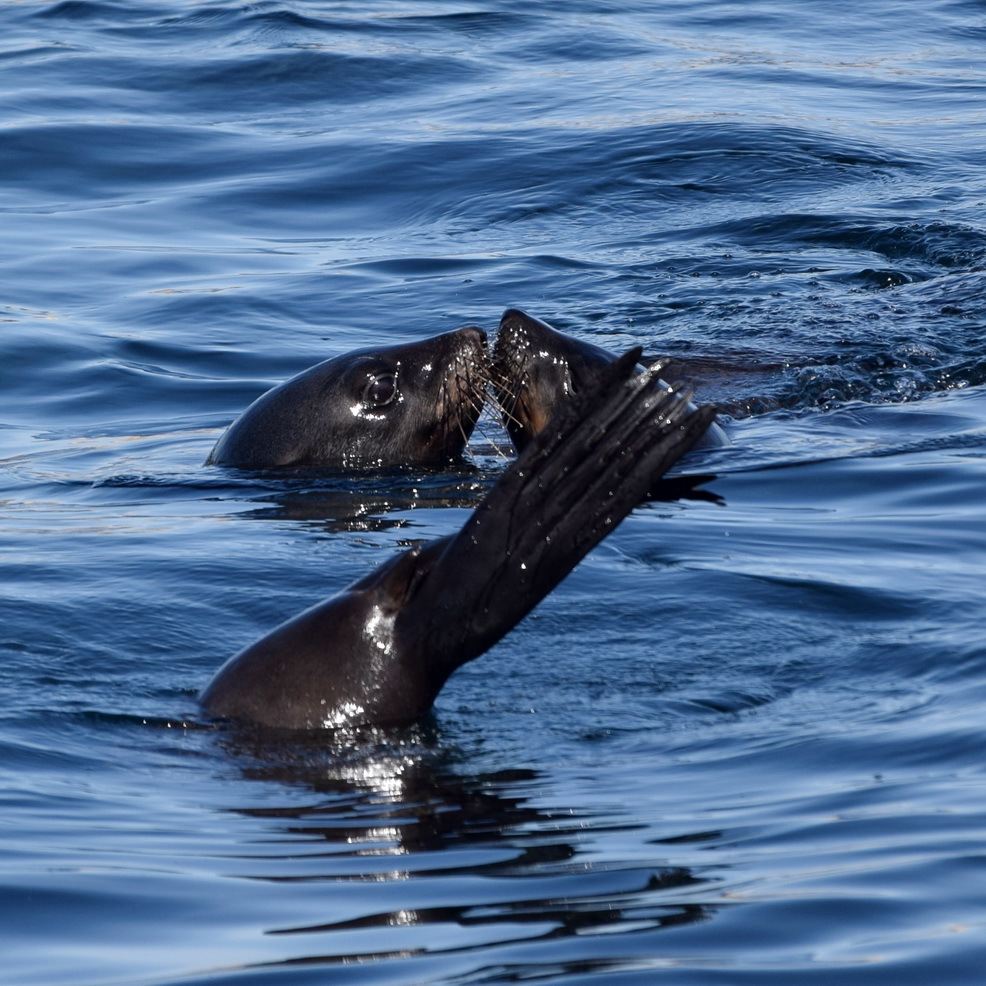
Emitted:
<point x="743" y="742"/>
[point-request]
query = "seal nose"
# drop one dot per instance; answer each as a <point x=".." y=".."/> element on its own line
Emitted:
<point x="474" y="334"/>
<point x="512" y="315"/>
<point x="520" y="318"/>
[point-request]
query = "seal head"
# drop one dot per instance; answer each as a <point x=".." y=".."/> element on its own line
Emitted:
<point x="414" y="404"/>
<point x="536" y="368"/>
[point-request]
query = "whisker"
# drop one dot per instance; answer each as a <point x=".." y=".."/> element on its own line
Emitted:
<point x="502" y="375"/>
<point x="495" y="445"/>
<point x="507" y="413"/>
<point x="469" y="382"/>
<point x="505" y="398"/>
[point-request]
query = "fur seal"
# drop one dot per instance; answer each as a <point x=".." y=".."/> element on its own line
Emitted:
<point x="413" y="404"/>
<point x="535" y="368"/>
<point x="378" y="653"/>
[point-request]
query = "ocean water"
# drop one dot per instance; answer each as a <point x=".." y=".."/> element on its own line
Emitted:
<point x="744" y="742"/>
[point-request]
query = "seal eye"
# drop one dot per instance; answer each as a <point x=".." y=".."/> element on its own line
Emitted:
<point x="380" y="390"/>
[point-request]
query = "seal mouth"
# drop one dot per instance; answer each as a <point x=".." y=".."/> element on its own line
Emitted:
<point x="464" y="387"/>
<point x="520" y="347"/>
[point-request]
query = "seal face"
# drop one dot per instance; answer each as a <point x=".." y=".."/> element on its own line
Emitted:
<point x="379" y="653"/>
<point x="536" y="369"/>
<point x="414" y="404"/>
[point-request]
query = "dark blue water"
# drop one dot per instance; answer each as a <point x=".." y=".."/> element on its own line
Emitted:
<point x="744" y="742"/>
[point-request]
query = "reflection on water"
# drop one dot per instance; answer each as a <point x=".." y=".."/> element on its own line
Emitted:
<point x="393" y="812"/>
<point x="354" y="507"/>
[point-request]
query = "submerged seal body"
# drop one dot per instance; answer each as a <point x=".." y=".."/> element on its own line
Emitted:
<point x="414" y="404"/>
<point x="379" y="653"/>
<point x="536" y="369"/>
